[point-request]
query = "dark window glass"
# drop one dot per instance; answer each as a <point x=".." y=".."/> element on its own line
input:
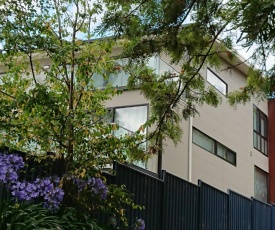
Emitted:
<point x="213" y="146"/>
<point x="259" y="130"/>
<point x="260" y="184"/>
<point x="203" y="141"/>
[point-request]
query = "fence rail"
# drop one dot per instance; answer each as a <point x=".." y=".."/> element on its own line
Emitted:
<point x="172" y="203"/>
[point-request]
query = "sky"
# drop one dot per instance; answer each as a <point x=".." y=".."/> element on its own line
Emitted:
<point x="245" y="53"/>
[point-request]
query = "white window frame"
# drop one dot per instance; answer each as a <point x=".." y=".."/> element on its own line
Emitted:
<point x="216" y="82"/>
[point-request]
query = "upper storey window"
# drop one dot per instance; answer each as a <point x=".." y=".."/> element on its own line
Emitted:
<point x="259" y="130"/>
<point x="218" y="83"/>
<point x="120" y="78"/>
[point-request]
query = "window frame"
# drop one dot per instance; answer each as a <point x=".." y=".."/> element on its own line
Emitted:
<point x="112" y="120"/>
<point x="256" y="168"/>
<point x="112" y="115"/>
<point x="226" y="86"/>
<point x="259" y="115"/>
<point x="216" y="143"/>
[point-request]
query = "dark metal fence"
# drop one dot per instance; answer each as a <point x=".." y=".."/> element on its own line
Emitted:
<point x="172" y="203"/>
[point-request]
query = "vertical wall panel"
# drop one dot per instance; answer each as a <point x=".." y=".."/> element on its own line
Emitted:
<point x="213" y="208"/>
<point x="273" y="217"/>
<point x="147" y="192"/>
<point x="271" y="149"/>
<point x="261" y="215"/>
<point x="181" y="200"/>
<point x="239" y="212"/>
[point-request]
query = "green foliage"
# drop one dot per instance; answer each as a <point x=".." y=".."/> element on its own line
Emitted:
<point x="58" y="109"/>
<point x="85" y="201"/>
<point x="33" y="216"/>
<point x="50" y="101"/>
<point x="257" y="86"/>
<point x="158" y="28"/>
<point x="28" y="217"/>
<point x="74" y="219"/>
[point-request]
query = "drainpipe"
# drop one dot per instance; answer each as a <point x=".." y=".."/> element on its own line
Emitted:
<point x="190" y="149"/>
<point x="160" y="138"/>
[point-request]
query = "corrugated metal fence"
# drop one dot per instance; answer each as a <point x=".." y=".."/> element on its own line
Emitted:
<point x="172" y="203"/>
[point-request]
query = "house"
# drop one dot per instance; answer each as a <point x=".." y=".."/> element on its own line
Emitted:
<point x="226" y="147"/>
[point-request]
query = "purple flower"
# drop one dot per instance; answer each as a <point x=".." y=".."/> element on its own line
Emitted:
<point x="99" y="188"/>
<point x="140" y="224"/>
<point x="96" y="185"/>
<point x="81" y="184"/>
<point x="46" y="188"/>
<point x="53" y="199"/>
<point x="9" y="167"/>
<point x="24" y="191"/>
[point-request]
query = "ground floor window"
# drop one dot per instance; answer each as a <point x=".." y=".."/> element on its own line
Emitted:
<point x="129" y="119"/>
<point x="260" y="184"/>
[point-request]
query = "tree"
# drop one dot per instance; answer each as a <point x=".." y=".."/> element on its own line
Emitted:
<point x="161" y="27"/>
<point x="57" y="108"/>
<point x="50" y="105"/>
<point x="255" y="21"/>
<point x="155" y="27"/>
<point x="63" y="111"/>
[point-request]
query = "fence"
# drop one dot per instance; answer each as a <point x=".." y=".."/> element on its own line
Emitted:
<point x="172" y="203"/>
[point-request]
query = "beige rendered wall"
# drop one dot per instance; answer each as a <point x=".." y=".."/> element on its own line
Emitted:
<point x="233" y="127"/>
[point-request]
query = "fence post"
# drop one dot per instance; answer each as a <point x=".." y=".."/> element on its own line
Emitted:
<point x="200" y="206"/>
<point x="164" y="200"/>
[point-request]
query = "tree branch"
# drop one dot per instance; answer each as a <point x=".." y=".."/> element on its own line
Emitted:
<point x="32" y="69"/>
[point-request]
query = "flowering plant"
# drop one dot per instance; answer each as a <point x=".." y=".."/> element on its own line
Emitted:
<point x="47" y="189"/>
<point x="74" y="191"/>
<point x="95" y="185"/>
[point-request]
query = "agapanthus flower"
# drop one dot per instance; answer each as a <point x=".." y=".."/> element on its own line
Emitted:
<point x="99" y="188"/>
<point x="81" y="184"/>
<point x="140" y="224"/>
<point x="53" y="199"/>
<point x="45" y="188"/>
<point x="24" y="191"/>
<point x="96" y="185"/>
<point x="9" y="167"/>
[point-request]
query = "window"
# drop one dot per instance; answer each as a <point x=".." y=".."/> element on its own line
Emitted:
<point x="260" y="184"/>
<point x="129" y="120"/>
<point x="218" y="83"/>
<point x="117" y="79"/>
<point x="259" y="130"/>
<point x="213" y="146"/>
<point x="120" y="77"/>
